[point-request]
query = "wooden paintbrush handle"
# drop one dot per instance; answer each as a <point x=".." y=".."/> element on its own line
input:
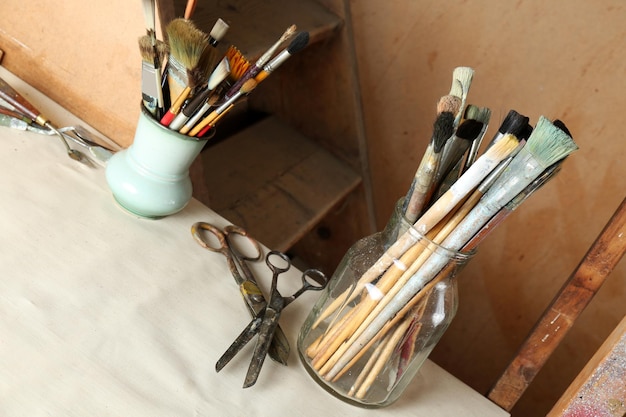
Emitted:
<point x="22" y="105"/>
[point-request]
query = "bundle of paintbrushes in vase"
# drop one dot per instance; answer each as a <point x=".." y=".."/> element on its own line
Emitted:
<point x="394" y="293"/>
<point x="188" y="85"/>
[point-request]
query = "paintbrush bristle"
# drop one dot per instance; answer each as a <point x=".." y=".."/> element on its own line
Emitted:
<point x="147" y="50"/>
<point x="481" y="114"/>
<point x="238" y="63"/>
<point x="449" y="103"/>
<point x="559" y="123"/>
<point x="514" y="123"/>
<point x="187" y="42"/>
<point x="469" y="129"/>
<point x="548" y="143"/>
<point x="218" y="31"/>
<point x="219" y="74"/>
<point x="298" y="43"/>
<point x="443" y="129"/>
<point x="503" y="147"/>
<point x="248" y="86"/>
<point x="464" y="75"/>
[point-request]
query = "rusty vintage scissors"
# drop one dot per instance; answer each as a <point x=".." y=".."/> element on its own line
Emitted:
<point x="236" y="258"/>
<point x="266" y="323"/>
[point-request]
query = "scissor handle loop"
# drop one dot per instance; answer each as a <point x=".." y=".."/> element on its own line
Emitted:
<point x="221" y="238"/>
<point x="275" y="268"/>
<point x="314" y="280"/>
<point x="232" y="229"/>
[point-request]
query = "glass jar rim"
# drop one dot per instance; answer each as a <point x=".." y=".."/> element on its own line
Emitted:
<point x="458" y="255"/>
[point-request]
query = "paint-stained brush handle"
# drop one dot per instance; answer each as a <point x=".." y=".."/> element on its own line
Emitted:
<point x="20" y="103"/>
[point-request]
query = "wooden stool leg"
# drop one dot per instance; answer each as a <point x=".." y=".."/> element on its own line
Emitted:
<point x="559" y="317"/>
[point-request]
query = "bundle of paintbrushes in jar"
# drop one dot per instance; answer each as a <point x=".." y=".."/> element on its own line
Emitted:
<point x="394" y="293"/>
<point x="188" y="85"/>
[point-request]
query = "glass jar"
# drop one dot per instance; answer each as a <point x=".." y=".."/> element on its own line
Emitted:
<point x="388" y="303"/>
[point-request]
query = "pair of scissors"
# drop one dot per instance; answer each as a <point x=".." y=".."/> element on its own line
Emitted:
<point x="266" y="323"/>
<point x="236" y="258"/>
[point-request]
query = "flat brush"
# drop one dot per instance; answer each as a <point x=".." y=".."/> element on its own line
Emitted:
<point x="149" y="14"/>
<point x="514" y="123"/>
<point x="417" y="196"/>
<point x="246" y="88"/>
<point x="150" y="88"/>
<point x="200" y="104"/>
<point x="483" y="115"/>
<point x="217" y="32"/>
<point x="253" y="70"/>
<point x="189" y="53"/>
<point x="454" y="149"/>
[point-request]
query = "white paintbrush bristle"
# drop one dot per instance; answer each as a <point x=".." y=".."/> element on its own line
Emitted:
<point x="464" y="75"/>
<point x="219" y="30"/>
<point x="220" y="73"/>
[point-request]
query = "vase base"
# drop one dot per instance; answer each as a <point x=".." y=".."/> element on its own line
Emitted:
<point x="135" y="213"/>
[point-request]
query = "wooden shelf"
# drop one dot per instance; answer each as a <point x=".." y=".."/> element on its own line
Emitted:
<point x="275" y="182"/>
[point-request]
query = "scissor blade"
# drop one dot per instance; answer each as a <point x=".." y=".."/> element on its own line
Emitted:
<point x="279" y="348"/>
<point x="266" y="333"/>
<point x="244" y="337"/>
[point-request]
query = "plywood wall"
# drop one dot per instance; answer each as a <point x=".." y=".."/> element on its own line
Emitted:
<point x="84" y="55"/>
<point x="559" y="59"/>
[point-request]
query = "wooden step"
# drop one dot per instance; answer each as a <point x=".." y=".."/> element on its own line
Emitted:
<point x="273" y="181"/>
<point x="255" y="25"/>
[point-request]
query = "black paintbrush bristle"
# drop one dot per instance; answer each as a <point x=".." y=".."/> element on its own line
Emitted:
<point x="514" y="123"/>
<point x="559" y="123"/>
<point x="443" y="129"/>
<point x="469" y="129"/>
<point x="298" y="43"/>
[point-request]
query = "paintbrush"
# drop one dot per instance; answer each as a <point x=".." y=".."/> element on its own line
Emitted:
<point x="546" y="146"/>
<point x="218" y="32"/>
<point x="454" y="149"/>
<point x="461" y="82"/>
<point x="420" y="188"/>
<point x="189" y="55"/>
<point x="150" y="89"/>
<point x="246" y="88"/>
<point x="23" y="106"/>
<point x="149" y="14"/>
<point x="297" y="44"/>
<point x="483" y="115"/>
<point x="190" y="7"/>
<point x="514" y="123"/>
<point x="465" y="184"/>
<point x="200" y="104"/>
<point x="253" y="70"/>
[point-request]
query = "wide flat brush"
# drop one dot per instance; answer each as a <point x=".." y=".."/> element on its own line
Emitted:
<point x="188" y="47"/>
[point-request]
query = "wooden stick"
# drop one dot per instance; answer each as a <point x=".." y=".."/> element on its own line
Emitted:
<point x="601" y="258"/>
<point x="389" y="347"/>
<point x="468" y="181"/>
